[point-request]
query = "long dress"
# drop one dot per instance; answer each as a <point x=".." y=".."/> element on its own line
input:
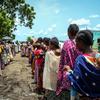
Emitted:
<point x="68" y="55"/>
<point x="39" y="65"/>
<point x="50" y="75"/>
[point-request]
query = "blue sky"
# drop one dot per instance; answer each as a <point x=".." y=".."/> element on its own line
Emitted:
<point x="54" y="16"/>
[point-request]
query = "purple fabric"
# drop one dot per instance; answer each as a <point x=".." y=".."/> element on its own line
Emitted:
<point x="68" y="56"/>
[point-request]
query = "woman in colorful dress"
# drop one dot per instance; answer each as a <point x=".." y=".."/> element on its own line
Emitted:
<point x="52" y="59"/>
<point x="85" y="78"/>
<point x="39" y="65"/>
<point x="68" y="55"/>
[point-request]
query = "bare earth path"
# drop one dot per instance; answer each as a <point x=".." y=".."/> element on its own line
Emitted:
<point x="15" y="84"/>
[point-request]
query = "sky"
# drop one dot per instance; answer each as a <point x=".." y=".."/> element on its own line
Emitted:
<point x="54" y="16"/>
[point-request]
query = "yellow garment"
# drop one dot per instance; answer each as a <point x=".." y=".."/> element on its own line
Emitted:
<point x="1" y="48"/>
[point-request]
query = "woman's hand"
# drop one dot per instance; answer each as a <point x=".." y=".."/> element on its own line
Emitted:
<point x="66" y="68"/>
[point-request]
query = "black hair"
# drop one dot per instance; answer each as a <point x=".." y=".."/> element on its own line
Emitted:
<point x="46" y="41"/>
<point x="86" y="36"/>
<point x="54" y="41"/>
<point x="73" y="29"/>
<point x="40" y="40"/>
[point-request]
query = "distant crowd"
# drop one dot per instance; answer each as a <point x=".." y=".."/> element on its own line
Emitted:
<point x="8" y="51"/>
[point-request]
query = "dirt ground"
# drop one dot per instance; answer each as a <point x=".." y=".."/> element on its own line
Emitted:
<point x="15" y="83"/>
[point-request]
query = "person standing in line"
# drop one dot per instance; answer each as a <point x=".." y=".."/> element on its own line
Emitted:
<point x="68" y="55"/>
<point x="85" y="78"/>
<point x="39" y="65"/>
<point x="52" y="59"/>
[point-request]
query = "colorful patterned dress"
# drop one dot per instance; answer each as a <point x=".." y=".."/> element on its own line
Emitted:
<point x="39" y="65"/>
<point x="68" y="55"/>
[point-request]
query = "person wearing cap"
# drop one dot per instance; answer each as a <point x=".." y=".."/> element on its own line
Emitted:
<point x="52" y="59"/>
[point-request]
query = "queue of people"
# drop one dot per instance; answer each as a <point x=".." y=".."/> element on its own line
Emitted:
<point x="8" y="51"/>
<point x="68" y="73"/>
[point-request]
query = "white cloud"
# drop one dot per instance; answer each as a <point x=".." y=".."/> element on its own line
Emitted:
<point x="41" y="31"/>
<point x="45" y="33"/>
<point x="57" y="11"/>
<point x="54" y="25"/>
<point x="31" y="32"/>
<point x="65" y="34"/>
<point x="90" y="28"/>
<point x="95" y="28"/>
<point x="28" y="34"/>
<point x="36" y="32"/>
<point x="94" y="16"/>
<point x="81" y="21"/>
<point x="50" y="29"/>
<point x="84" y="28"/>
<point x="70" y="19"/>
<point x="98" y="26"/>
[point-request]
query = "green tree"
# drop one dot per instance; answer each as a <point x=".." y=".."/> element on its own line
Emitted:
<point x="17" y="42"/>
<point x="6" y="25"/>
<point x="29" y="39"/>
<point x="13" y="36"/>
<point x="15" y="9"/>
